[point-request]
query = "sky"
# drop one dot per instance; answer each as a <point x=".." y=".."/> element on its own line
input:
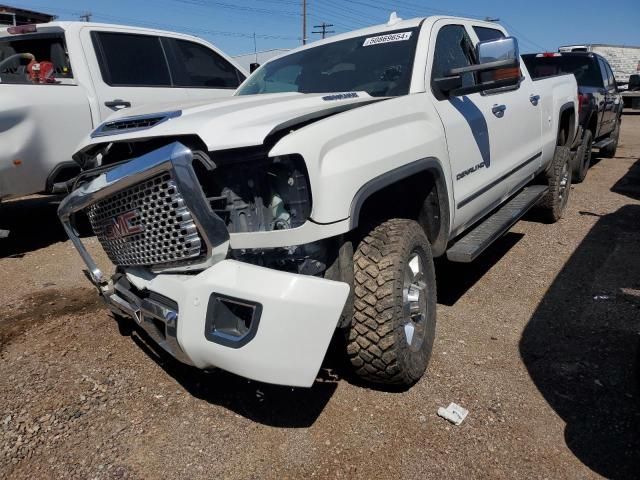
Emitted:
<point x="231" y="24"/>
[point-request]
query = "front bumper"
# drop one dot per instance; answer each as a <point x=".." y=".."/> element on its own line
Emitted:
<point x="293" y="316"/>
<point x="287" y="341"/>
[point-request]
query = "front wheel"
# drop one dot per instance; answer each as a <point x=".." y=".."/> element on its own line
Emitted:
<point x="391" y="335"/>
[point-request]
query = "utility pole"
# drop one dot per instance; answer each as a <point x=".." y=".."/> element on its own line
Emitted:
<point x="86" y="16"/>
<point x="304" y="22"/>
<point x="324" y="30"/>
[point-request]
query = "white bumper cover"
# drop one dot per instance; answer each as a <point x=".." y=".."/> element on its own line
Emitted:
<point x="299" y="315"/>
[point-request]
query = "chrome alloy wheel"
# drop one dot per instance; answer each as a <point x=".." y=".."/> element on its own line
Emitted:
<point x="564" y="183"/>
<point x="414" y="308"/>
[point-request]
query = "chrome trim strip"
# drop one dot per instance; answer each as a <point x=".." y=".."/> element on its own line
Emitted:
<point x="100" y="131"/>
<point x="174" y="158"/>
<point x="144" y="311"/>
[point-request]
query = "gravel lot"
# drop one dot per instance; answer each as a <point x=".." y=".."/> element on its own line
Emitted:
<point x="538" y="339"/>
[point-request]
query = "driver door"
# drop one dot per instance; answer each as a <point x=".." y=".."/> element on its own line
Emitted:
<point x="470" y="133"/>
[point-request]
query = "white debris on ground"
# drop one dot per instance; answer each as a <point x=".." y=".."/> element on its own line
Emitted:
<point x="454" y="413"/>
<point x="601" y="297"/>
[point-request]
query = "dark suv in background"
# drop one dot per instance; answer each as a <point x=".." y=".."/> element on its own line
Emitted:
<point x="600" y="101"/>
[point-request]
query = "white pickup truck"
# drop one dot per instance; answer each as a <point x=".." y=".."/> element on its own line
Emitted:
<point x="59" y="80"/>
<point x="247" y="231"/>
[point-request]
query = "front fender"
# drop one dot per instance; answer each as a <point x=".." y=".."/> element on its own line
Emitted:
<point x="347" y="151"/>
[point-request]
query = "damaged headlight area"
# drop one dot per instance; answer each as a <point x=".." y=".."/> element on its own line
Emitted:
<point x="252" y="192"/>
<point x="310" y="259"/>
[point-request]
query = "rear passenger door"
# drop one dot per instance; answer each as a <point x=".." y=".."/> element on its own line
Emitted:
<point x="517" y="139"/>
<point x="130" y="70"/>
<point x="609" y="98"/>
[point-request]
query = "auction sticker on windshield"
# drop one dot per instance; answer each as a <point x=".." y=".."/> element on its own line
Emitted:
<point x="393" y="37"/>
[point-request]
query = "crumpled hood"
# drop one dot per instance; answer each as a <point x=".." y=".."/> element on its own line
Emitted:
<point x="240" y="121"/>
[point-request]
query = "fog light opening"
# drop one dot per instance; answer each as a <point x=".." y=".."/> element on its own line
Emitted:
<point x="231" y="321"/>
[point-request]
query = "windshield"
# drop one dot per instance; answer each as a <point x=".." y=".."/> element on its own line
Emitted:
<point x="18" y="55"/>
<point x="380" y="65"/>
<point x="583" y="67"/>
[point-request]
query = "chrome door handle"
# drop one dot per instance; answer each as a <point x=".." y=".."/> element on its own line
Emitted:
<point x="534" y="99"/>
<point x="498" y="110"/>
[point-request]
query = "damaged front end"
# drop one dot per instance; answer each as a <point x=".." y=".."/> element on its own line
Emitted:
<point x="165" y="219"/>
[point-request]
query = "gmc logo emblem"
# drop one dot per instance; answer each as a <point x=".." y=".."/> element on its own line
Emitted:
<point x="122" y="226"/>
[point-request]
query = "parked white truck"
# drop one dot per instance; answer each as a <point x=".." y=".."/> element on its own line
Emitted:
<point x="59" y="80"/>
<point x="246" y="231"/>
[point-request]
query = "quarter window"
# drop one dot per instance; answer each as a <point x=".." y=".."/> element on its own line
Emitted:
<point x="132" y="60"/>
<point x="453" y="50"/>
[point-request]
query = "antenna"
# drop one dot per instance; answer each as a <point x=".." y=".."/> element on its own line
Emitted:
<point x="304" y="22"/>
<point x="393" y="19"/>
<point x="324" y="30"/>
<point x="255" y="46"/>
<point x="85" y="17"/>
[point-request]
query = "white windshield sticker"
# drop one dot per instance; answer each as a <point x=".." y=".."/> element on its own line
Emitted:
<point x="393" y="37"/>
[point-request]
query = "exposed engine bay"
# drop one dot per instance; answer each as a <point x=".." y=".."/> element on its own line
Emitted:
<point x="255" y="193"/>
<point x="247" y="189"/>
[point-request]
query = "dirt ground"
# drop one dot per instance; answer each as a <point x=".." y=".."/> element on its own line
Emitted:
<point x="539" y="340"/>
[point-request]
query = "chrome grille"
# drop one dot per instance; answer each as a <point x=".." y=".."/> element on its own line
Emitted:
<point x="147" y="224"/>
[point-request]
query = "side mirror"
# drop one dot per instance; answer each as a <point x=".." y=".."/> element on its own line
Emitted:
<point x="253" y="67"/>
<point x="498" y="66"/>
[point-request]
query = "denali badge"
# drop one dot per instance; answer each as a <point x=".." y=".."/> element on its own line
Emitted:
<point x="122" y="226"/>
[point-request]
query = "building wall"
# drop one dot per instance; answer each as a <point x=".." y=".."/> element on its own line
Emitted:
<point x="624" y="61"/>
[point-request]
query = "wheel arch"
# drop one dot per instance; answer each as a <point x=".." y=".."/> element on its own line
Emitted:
<point x="566" y="124"/>
<point x="433" y="211"/>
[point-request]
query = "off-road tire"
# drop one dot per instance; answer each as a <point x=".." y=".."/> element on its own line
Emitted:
<point x="558" y="177"/>
<point x="582" y="159"/>
<point x="377" y="344"/>
<point x="610" y="150"/>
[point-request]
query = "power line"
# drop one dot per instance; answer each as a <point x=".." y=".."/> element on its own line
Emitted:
<point x="323" y="29"/>
<point x="241" y="8"/>
<point x="351" y="12"/>
<point x="165" y="26"/>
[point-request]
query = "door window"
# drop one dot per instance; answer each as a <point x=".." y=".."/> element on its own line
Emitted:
<point x="131" y="60"/>
<point x="198" y="66"/>
<point x="612" y="78"/>
<point x="453" y="49"/>
<point x="42" y="48"/>
<point x="603" y="72"/>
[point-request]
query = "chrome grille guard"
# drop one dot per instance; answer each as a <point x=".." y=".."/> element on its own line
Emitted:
<point x="175" y="159"/>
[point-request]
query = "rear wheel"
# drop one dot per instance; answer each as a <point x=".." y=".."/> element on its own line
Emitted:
<point x="610" y="150"/>
<point x="558" y="177"/>
<point x="582" y="160"/>
<point x="391" y="335"/>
